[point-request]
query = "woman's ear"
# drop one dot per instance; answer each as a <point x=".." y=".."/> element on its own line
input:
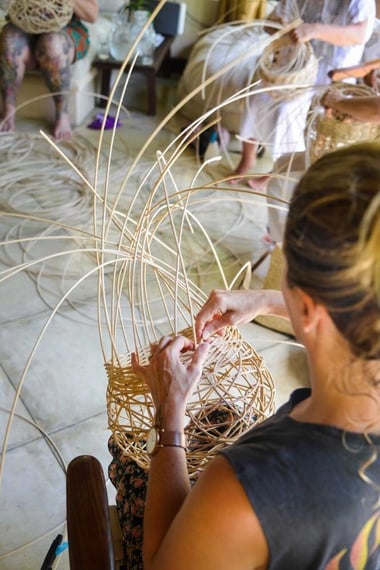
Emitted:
<point x="311" y="313"/>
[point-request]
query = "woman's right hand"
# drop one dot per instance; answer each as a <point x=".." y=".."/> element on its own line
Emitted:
<point x="330" y="101"/>
<point x="331" y="97"/>
<point x="170" y="381"/>
<point x="230" y="308"/>
<point x="372" y="79"/>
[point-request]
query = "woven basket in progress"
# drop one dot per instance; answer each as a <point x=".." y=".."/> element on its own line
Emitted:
<point x="235" y="391"/>
<point x="284" y="62"/>
<point x="40" y="16"/>
<point x="329" y="131"/>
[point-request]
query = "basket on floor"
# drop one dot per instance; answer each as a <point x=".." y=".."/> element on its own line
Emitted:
<point x="40" y="16"/>
<point x="284" y="62"/>
<point x="235" y="391"/>
<point x="328" y="131"/>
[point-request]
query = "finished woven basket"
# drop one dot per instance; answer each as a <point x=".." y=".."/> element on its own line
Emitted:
<point x="284" y="62"/>
<point x="328" y="131"/>
<point x="235" y="391"/>
<point x="40" y="16"/>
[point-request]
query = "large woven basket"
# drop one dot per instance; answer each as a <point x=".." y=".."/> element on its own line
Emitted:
<point x="235" y="392"/>
<point x="329" y="131"/>
<point x="284" y="62"/>
<point x="40" y="16"/>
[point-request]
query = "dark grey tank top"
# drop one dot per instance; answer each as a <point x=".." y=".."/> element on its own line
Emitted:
<point x="304" y="485"/>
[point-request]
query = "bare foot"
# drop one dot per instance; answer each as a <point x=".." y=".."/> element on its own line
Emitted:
<point x="62" y="128"/>
<point x="8" y="119"/>
<point x="247" y="161"/>
<point x="240" y="179"/>
<point x="258" y="182"/>
<point x="241" y="172"/>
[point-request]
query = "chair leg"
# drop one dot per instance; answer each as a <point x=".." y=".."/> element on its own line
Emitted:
<point x="151" y="90"/>
<point x="88" y="519"/>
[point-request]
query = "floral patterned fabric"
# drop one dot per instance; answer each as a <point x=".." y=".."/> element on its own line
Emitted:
<point x="130" y="482"/>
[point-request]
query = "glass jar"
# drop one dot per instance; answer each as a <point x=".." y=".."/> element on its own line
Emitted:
<point x="125" y="32"/>
<point x="119" y="40"/>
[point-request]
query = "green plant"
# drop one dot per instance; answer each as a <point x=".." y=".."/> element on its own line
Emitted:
<point x="134" y="5"/>
<point x="137" y="5"/>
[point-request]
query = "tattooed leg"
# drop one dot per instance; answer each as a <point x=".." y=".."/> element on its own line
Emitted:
<point x="55" y="52"/>
<point x="15" y="55"/>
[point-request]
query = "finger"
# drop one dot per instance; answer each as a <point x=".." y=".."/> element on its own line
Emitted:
<point x="153" y="347"/>
<point x="157" y="347"/>
<point x="181" y="344"/>
<point x="164" y="342"/>
<point x="199" y="358"/>
<point x="204" y="328"/>
<point x="137" y="368"/>
<point x="216" y="326"/>
<point x="134" y="359"/>
<point x="211" y="311"/>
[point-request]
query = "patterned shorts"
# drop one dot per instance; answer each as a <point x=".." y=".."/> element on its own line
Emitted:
<point x="79" y="35"/>
<point x="130" y="482"/>
<point x="77" y="32"/>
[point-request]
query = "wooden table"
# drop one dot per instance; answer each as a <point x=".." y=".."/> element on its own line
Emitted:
<point x="105" y="67"/>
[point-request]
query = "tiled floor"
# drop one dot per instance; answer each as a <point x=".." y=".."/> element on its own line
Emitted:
<point x="52" y="376"/>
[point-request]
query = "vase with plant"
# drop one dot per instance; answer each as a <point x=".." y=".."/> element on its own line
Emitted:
<point x="135" y="6"/>
<point x="127" y="25"/>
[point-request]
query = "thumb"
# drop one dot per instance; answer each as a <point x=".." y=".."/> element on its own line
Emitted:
<point x="216" y="325"/>
<point x="199" y="357"/>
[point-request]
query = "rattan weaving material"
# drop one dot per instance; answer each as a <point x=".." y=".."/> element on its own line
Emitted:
<point x="329" y="131"/>
<point x="273" y="281"/>
<point x="284" y="62"/>
<point x="40" y="16"/>
<point x="235" y="391"/>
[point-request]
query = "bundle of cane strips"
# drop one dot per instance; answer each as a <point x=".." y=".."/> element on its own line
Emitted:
<point x="40" y="16"/>
<point x="327" y="131"/>
<point x="284" y="62"/>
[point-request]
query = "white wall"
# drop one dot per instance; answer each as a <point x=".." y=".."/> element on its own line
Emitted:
<point x="200" y="15"/>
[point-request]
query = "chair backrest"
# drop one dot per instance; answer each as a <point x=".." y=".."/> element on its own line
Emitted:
<point x="88" y="518"/>
<point x="170" y="20"/>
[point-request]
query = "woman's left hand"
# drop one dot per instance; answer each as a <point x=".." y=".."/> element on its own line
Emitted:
<point x="304" y="33"/>
<point x="170" y="381"/>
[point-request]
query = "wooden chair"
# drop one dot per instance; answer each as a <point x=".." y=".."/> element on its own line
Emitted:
<point x="94" y="533"/>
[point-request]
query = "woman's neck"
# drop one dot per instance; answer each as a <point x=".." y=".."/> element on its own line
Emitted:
<point x="345" y="396"/>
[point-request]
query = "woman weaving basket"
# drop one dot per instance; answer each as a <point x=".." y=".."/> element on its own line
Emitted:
<point x="301" y="490"/>
<point x="26" y="42"/>
<point x="359" y="108"/>
<point x="337" y="31"/>
<point x="340" y="115"/>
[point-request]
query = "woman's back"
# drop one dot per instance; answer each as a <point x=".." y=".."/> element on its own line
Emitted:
<point x="306" y="484"/>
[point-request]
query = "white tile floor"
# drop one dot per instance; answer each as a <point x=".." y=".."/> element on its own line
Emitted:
<point x="53" y="361"/>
